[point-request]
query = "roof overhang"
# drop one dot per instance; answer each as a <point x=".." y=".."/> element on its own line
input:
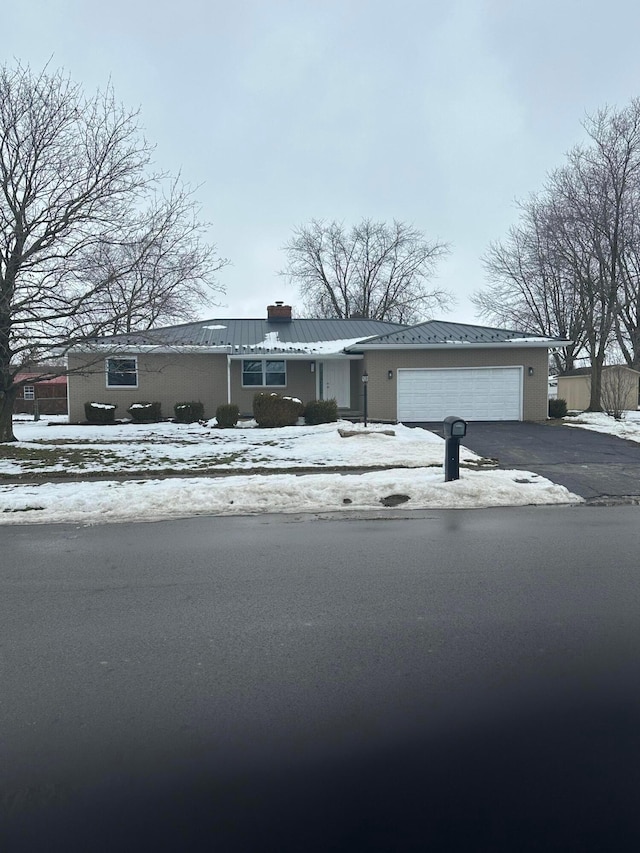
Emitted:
<point x="295" y="356"/>
<point x="234" y="353"/>
<point x="463" y="345"/>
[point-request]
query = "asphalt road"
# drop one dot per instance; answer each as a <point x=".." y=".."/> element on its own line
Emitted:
<point x="590" y="464"/>
<point x="447" y="680"/>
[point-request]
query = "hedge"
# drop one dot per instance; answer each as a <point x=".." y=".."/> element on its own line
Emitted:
<point x="188" y="413"/>
<point x="321" y="412"/>
<point x="100" y="413"/>
<point x="227" y="415"/>
<point x="274" y="410"/>
<point x="557" y="408"/>
<point x="145" y="412"/>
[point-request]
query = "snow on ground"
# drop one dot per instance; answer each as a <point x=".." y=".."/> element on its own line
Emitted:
<point x="133" y="449"/>
<point x="130" y="448"/>
<point x="628" y="428"/>
<point x="153" y="500"/>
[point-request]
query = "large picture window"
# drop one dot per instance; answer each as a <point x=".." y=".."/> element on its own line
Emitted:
<point x="264" y="372"/>
<point x="122" y="372"/>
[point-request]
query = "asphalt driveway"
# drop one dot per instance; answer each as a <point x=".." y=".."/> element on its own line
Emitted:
<point x="595" y="466"/>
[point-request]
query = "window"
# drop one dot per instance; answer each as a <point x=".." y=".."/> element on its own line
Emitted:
<point x="264" y="372"/>
<point x="29" y="392"/>
<point x="122" y="371"/>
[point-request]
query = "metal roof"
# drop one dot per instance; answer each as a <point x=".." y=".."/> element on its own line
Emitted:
<point x="300" y="336"/>
<point x="440" y="333"/>
<point x="234" y="334"/>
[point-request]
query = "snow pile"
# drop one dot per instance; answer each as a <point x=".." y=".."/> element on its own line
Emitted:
<point x="628" y="428"/>
<point x="153" y="500"/>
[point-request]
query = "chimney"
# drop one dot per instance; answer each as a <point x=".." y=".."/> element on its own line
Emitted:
<point x="279" y="313"/>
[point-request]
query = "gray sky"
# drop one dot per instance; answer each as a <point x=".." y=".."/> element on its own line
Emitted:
<point x="440" y="114"/>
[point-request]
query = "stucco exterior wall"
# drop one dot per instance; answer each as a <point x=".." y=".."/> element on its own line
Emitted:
<point x="167" y="378"/>
<point x="382" y="392"/>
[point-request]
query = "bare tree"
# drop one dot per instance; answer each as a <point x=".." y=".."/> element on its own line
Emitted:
<point x="595" y="194"/>
<point x="590" y="248"/>
<point x="619" y="391"/>
<point x="161" y="273"/>
<point x="88" y="243"/>
<point x="531" y="287"/>
<point x="373" y="270"/>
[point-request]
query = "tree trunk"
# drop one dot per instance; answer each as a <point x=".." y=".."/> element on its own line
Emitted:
<point x="7" y="399"/>
<point x="595" y="403"/>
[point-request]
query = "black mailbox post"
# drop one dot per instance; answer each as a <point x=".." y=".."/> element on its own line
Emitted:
<point x="454" y="429"/>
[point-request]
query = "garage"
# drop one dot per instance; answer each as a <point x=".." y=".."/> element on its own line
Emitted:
<point x="472" y="393"/>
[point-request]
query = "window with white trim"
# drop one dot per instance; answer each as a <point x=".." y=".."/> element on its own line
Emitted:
<point x="122" y="372"/>
<point x="263" y="372"/>
<point x="29" y="392"/>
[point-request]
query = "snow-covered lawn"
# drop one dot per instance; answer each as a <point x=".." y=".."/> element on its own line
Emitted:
<point x="412" y="458"/>
<point x="628" y="428"/>
<point x="137" y="448"/>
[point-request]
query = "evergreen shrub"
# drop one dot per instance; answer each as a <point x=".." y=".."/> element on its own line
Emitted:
<point x="100" y="413"/>
<point x="145" y="412"/>
<point x="321" y="412"/>
<point x="227" y="415"/>
<point x="274" y="410"/>
<point x="188" y="413"/>
<point x="557" y="408"/>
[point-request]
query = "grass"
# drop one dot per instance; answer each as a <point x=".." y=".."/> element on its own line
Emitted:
<point x="67" y="457"/>
<point x="35" y="457"/>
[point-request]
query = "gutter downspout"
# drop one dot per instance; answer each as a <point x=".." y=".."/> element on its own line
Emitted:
<point x="228" y="379"/>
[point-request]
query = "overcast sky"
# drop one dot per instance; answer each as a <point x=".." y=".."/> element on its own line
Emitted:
<point x="439" y="114"/>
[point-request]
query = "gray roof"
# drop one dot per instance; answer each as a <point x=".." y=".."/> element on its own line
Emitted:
<point x="440" y="333"/>
<point x="234" y="334"/>
<point x="586" y="371"/>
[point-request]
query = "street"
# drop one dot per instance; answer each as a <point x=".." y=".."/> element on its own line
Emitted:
<point x="435" y="680"/>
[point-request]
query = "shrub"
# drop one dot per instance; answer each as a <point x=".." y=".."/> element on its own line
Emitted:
<point x="188" y="413"/>
<point x="273" y="410"/>
<point x="100" y="413"/>
<point x="321" y="412"/>
<point x="145" y="412"/>
<point x="227" y="415"/>
<point x="557" y="408"/>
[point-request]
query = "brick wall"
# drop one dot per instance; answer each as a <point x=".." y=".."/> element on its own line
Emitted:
<point x="301" y="383"/>
<point x="167" y="378"/>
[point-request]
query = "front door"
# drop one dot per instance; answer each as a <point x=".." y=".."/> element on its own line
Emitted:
<point x="335" y="382"/>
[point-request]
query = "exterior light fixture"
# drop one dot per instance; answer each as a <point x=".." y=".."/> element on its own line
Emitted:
<point x="530" y="371"/>
<point x="313" y="367"/>
<point x="389" y="374"/>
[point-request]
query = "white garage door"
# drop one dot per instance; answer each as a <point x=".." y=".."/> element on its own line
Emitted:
<point x="472" y="393"/>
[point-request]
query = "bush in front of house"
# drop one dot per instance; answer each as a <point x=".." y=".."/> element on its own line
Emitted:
<point x="274" y="410"/>
<point x="227" y="415"/>
<point x="145" y="412"/>
<point x="557" y="408"/>
<point x="188" y="413"/>
<point x="100" y="413"/>
<point x="321" y="412"/>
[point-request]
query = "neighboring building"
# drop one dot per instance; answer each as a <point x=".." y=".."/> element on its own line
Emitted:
<point x="415" y="373"/>
<point x="48" y="395"/>
<point x="617" y="379"/>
